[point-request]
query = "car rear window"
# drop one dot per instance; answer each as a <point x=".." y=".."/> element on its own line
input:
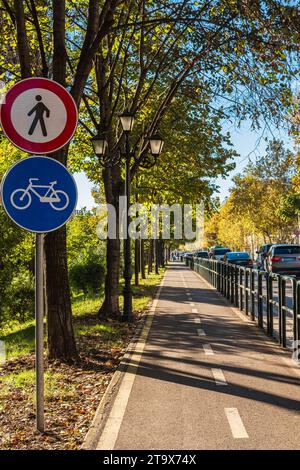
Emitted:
<point x="287" y="250"/>
<point x="238" y="255"/>
<point x="202" y="253"/>
<point x="221" y="251"/>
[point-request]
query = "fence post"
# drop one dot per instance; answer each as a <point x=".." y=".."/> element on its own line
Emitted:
<point x="232" y="284"/>
<point x="270" y="304"/>
<point x="295" y="309"/>
<point x="297" y="315"/>
<point x="241" y="288"/>
<point x="246" y="291"/>
<point x="259" y="300"/>
<point x="236" y="287"/>
<point x="282" y="305"/>
<point x="279" y="288"/>
<point x="252" y="294"/>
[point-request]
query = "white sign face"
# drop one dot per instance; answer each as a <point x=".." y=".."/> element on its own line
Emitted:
<point x="38" y="114"/>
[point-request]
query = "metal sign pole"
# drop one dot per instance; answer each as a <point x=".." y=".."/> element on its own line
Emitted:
<point x="39" y="330"/>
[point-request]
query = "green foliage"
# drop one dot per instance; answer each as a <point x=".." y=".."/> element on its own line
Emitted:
<point x="82" y="238"/>
<point x="86" y="253"/>
<point x="16" y="255"/>
<point x="20" y="294"/>
<point x="87" y="276"/>
<point x="262" y="206"/>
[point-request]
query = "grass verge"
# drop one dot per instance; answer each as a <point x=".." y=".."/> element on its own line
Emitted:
<point x="72" y="391"/>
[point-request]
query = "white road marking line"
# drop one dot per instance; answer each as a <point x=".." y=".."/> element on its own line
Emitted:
<point x="219" y="377"/>
<point x="208" y="350"/>
<point x="192" y="304"/>
<point x="194" y="310"/>
<point x="197" y="320"/>
<point x="111" y="430"/>
<point x="201" y="333"/>
<point x="236" y="424"/>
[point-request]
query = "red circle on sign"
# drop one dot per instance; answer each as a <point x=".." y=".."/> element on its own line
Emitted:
<point x="39" y="147"/>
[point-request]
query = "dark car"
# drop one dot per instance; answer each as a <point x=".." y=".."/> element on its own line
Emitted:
<point x="219" y="253"/>
<point x="240" y="258"/>
<point x="201" y="254"/>
<point x="284" y="259"/>
<point x="262" y="256"/>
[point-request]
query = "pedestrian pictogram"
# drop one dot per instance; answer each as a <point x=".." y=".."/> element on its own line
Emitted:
<point x="39" y="109"/>
<point x="39" y="194"/>
<point x="39" y="115"/>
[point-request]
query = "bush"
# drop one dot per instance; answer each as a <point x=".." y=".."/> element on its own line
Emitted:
<point x="20" y="298"/>
<point x="87" y="276"/>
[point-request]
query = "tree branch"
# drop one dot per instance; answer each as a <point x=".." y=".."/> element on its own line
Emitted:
<point x="45" y="68"/>
<point x="22" y="41"/>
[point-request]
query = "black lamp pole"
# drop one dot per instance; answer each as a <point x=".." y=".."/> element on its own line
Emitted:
<point x="127" y="292"/>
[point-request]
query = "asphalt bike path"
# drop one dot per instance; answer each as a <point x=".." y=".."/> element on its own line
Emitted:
<point x="202" y="378"/>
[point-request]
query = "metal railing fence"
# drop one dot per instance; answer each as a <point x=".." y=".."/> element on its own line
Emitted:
<point x="272" y="300"/>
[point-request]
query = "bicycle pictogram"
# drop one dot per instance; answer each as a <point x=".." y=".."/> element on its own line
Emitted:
<point x="21" y="198"/>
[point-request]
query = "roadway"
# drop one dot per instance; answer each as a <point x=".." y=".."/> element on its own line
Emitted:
<point x="202" y="377"/>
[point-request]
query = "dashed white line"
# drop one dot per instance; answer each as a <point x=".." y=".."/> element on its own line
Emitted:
<point x="194" y="310"/>
<point x="236" y="424"/>
<point x="197" y="320"/>
<point x="208" y="350"/>
<point x="201" y="333"/>
<point x="219" y="377"/>
<point x="192" y="304"/>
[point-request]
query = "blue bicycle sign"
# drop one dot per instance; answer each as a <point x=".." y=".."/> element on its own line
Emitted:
<point x="21" y="198"/>
<point x="39" y="194"/>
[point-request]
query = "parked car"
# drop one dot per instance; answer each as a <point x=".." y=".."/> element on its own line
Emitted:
<point x="284" y="259"/>
<point x="240" y="258"/>
<point x="201" y="254"/>
<point x="261" y="260"/>
<point x="219" y="253"/>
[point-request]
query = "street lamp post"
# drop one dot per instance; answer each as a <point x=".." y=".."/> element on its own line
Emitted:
<point x="100" y="145"/>
<point x="127" y="121"/>
<point x="127" y="292"/>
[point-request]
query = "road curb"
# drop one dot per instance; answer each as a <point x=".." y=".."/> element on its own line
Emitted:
<point x="92" y="437"/>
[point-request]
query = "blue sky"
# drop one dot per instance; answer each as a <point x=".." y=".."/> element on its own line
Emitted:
<point x="247" y="143"/>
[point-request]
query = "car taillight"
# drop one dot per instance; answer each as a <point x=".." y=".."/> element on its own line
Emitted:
<point x="298" y="258"/>
<point x="274" y="259"/>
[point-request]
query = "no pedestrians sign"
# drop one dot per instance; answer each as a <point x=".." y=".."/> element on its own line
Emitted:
<point x="38" y="115"/>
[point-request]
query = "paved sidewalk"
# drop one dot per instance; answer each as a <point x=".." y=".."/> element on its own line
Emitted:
<point x="204" y="379"/>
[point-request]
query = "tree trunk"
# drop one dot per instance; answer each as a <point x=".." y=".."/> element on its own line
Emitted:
<point x="110" y="308"/>
<point x="156" y="256"/>
<point x="161" y="253"/>
<point x="136" y="261"/>
<point x="142" y="258"/>
<point x="61" y="340"/>
<point x="150" y="257"/>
